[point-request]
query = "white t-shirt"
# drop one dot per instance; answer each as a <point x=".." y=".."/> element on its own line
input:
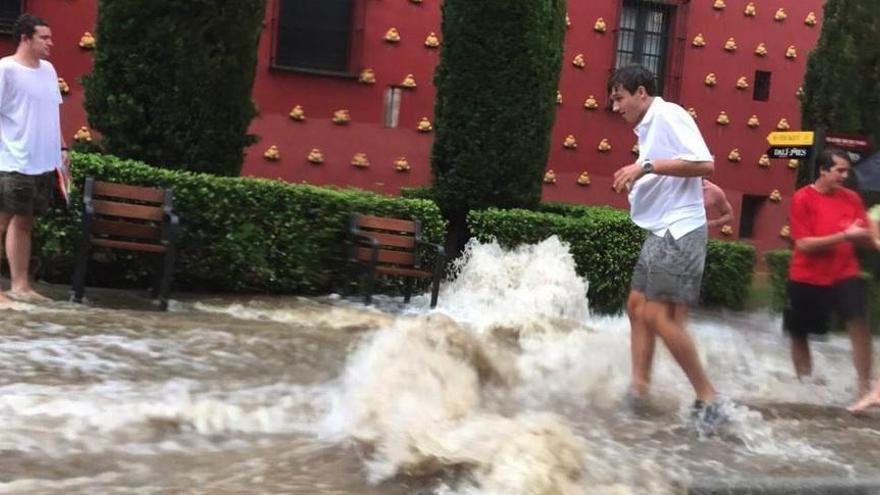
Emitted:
<point x="30" y="127"/>
<point x="659" y="202"/>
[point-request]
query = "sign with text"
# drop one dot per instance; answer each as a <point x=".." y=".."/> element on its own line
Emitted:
<point x="791" y="138"/>
<point x="798" y="152"/>
<point x="849" y="142"/>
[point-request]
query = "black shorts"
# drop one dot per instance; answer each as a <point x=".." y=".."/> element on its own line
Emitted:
<point x="808" y="307"/>
<point x="22" y="194"/>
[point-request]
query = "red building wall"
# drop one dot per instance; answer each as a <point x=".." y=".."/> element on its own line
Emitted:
<point x="276" y="92"/>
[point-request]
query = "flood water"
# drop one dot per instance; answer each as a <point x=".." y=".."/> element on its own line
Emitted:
<point x="510" y="387"/>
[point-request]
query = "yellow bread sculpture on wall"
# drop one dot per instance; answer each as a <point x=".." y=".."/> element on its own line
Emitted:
<point x="711" y="79"/>
<point x="742" y="83"/>
<point x="793" y="163"/>
<point x="698" y="41"/>
<point x="785" y="232"/>
<point x="360" y="160"/>
<point x="791" y="52"/>
<point x="550" y="177"/>
<point x="604" y="146"/>
<point x="722" y="119"/>
<point x="750" y="10"/>
<point x="590" y="103"/>
<point x="600" y="26"/>
<point x="341" y="117"/>
<point x="719" y="5"/>
<point x="272" y="153"/>
<point x="367" y="76"/>
<point x="761" y="50"/>
<point x="401" y="164"/>
<point x="810" y="20"/>
<point x="425" y="125"/>
<point x="692" y="112"/>
<point x="579" y="61"/>
<point x="408" y="82"/>
<point x="780" y="15"/>
<point x="392" y="36"/>
<point x="315" y="156"/>
<point x="775" y="196"/>
<point x="764" y="161"/>
<point x="87" y="41"/>
<point x="432" y="41"/>
<point x="583" y="179"/>
<point x="730" y="44"/>
<point x="734" y="156"/>
<point x="558" y="97"/>
<point x="753" y="122"/>
<point x="297" y="113"/>
<point x="727" y="230"/>
<point x="570" y="142"/>
<point x="83" y="135"/>
<point x="782" y="125"/>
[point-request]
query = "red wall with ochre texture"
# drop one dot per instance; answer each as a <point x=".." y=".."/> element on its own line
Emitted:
<point x="276" y="92"/>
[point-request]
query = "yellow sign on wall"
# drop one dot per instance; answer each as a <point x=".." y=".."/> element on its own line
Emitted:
<point x="794" y="138"/>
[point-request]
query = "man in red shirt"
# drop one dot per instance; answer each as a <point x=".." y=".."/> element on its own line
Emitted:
<point x="827" y="221"/>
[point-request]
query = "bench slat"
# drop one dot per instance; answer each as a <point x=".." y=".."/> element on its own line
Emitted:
<point x="139" y="193"/>
<point x="125" y="210"/>
<point x="381" y="223"/>
<point x="131" y="246"/>
<point x="403" y="272"/>
<point x="398" y="241"/>
<point x="387" y="256"/>
<point x="127" y="229"/>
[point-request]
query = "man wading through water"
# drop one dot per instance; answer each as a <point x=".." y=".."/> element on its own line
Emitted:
<point x="666" y="200"/>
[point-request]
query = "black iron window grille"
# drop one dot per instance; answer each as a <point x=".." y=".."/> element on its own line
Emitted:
<point x="314" y="35"/>
<point x="643" y="36"/>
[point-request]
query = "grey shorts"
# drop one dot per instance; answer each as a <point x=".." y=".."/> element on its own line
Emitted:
<point x="671" y="270"/>
<point x="22" y="194"/>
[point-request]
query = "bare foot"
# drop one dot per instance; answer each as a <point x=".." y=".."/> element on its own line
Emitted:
<point x="5" y="302"/>
<point x="869" y="400"/>
<point x="28" y="296"/>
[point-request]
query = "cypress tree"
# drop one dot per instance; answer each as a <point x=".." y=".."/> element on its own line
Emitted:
<point x="172" y="81"/>
<point x="496" y="102"/>
<point x="840" y="85"/>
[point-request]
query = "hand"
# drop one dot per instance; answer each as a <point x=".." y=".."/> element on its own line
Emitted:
<point x="857" y="233"/>
<point x="625" y="176"/>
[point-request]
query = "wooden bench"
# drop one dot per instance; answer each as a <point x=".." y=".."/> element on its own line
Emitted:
<point x="132" y="218"/>
<point x="392" y="246"/>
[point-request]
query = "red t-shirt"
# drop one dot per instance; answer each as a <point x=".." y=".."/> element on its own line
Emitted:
<point x="814" y="214"/>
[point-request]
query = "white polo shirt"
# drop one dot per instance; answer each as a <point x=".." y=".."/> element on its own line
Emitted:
<point x="660" y="203"/>
<point x="30" y="131"/>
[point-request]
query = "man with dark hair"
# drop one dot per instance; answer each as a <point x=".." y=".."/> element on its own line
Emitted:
<point x="827" y="221"/>
<point x="666" y="200"/>
<point x="31" y="146"/>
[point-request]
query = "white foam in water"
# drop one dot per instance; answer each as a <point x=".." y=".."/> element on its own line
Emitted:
<point x="529" y="285"/>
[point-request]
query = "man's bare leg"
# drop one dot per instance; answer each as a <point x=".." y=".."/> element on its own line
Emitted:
<point x="860" y="337"/>
<point x="870" y="399"/>
<point x="4" y="222"/>
<point x="659" y="315"/>
<point x="800" y="356"/>
<point x="642" y="342"/>
<point x="18" y="250"/>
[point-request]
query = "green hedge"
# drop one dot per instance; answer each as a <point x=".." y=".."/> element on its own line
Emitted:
<point x="606" y="244"/>
<point x="237" y="233"/>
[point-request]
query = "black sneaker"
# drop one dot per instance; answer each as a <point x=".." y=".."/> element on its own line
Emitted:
<point x="707" y="417"/>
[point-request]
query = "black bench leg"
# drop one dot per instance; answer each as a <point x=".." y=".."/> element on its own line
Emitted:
<point x="79" y="273"/>
<point x="435" y="290"/>
<point x="407" y="290"/>
<point x="368" y="286"/>
<point x="167" y="276"/>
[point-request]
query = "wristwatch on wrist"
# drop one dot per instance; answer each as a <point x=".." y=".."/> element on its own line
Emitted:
<point x="648" y="167"/>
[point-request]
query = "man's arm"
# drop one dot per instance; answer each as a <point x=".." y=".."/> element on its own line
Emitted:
<point x="717" y="203"/>
<point x="856" y="232"/>
<point x="625" y="176"/>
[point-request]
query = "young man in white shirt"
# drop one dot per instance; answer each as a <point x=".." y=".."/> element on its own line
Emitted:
<point x="666" y="200"/>
<point x="31" y="146"/>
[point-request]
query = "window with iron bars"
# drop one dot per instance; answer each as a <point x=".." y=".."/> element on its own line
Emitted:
<point x="9" y="12"/>
<point x="643" y="36"/>
<point x="314" y="35"/>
